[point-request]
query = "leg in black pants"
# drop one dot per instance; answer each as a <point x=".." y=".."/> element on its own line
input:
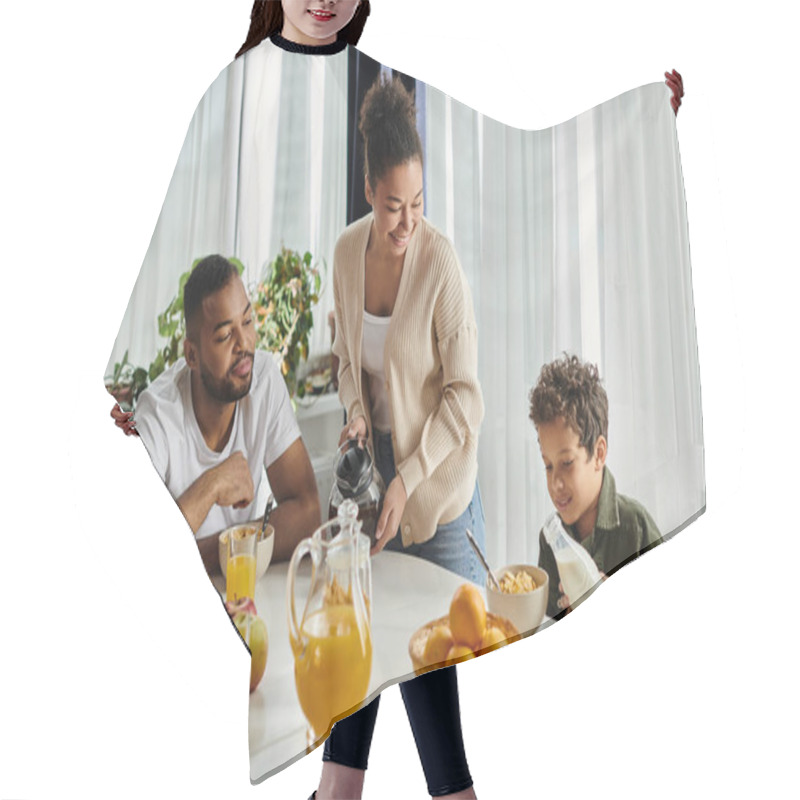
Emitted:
<point x="432" y="706"/>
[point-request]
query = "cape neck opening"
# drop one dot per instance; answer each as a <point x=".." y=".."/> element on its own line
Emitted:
<point x="309" y="49"/>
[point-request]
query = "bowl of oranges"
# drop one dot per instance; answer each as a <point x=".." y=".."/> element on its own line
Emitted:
<point x="467" y="631"/>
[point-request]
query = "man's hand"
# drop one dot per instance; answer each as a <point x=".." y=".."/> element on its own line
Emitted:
<point x="294" y="487"/>
<point x="228" y="484"/>
<point x="394" y="503"/>
<point x="233" y="483"/>
<point x="675" y="83"/>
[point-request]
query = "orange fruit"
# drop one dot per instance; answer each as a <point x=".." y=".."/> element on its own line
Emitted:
<point x="493" y="636"/>
<point x="468" y="616"/>
<point x="438" y="644"/>
<point x="459" y="651"/>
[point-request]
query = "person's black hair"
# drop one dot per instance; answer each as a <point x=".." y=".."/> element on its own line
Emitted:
<point x="570" y="389"/>
<point x="209" y="275"/>
<point x="388" y="123"/>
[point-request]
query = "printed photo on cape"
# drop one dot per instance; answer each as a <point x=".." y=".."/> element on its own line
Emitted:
<point x="570" y="240"/>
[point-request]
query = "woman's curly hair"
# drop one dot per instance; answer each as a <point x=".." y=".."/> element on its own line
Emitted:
<point x="570" y="389"/>
<point x="266" y="19"/>
<point x="388" y="123"/>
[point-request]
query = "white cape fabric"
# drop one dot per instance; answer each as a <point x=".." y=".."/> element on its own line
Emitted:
<point x="572" y="239"/>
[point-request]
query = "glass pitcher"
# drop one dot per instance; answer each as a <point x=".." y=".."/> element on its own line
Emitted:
<point x="356" y="478"/>
<point x="332" y="643"/>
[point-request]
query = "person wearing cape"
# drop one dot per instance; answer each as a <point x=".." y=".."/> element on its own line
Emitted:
<point x="327" y="31"/>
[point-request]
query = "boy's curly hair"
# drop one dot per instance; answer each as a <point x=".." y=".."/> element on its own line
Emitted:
<point x="571" y="389"/>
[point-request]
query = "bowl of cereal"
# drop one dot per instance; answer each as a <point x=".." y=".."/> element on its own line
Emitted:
<point x="522" y="597"/>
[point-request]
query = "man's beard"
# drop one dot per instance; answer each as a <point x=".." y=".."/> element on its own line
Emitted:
<point x="226" y="390"/>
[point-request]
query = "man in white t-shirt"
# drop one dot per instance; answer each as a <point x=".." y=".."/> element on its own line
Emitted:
<point x="215" y="420"/>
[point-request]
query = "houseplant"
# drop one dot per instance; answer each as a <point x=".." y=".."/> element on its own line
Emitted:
<point x="283" y="303"/>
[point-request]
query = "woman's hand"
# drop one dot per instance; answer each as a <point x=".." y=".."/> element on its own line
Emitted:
<point x="355" y="429"/>
<point x="124" y="420"/>
<point x="675" y="83"/>
<point x="394" y="502"/>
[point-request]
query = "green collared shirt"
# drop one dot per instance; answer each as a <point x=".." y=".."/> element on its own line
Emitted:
<point x="623" y="531"/>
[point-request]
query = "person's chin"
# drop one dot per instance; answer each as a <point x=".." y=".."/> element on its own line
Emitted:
<point x="244" y="390"/>
<point x="564" y="510"/>
<point x="237" y="388"/>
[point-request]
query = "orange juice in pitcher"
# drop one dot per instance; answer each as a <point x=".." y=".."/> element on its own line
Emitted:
<point x="332" y="643"/>
<point x="331" y="665"/>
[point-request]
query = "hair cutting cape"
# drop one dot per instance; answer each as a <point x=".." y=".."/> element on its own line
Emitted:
<point x="572" y="240"/>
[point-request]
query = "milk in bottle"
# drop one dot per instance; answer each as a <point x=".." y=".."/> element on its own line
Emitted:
<point x="576" y="569"/>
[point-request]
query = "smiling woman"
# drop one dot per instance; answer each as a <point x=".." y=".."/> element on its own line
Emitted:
<point x="315" y="21"/>
<point x="407" y="346"/>
<point x="272" y="160"/>
<point x="306" y="22"/>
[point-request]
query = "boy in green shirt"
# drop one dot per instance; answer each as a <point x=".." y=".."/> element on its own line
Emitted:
<point x="569" y="408"/>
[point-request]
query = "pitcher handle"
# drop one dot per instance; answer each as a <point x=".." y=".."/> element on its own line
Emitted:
<point x="306" y="547"/>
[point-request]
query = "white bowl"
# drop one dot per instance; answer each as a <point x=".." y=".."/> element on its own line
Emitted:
<point x="264" y="547"/>
<point x="526" y="610"/>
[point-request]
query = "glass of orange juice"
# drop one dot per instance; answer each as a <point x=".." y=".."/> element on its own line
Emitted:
<point x="240" y="579"/>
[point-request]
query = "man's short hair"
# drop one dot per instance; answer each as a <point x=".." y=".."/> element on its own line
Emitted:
<point x="209" y="275"/>
<point x="571" y="389"/>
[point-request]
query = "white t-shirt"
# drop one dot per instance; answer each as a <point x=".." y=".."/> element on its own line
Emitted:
<point x="264" y="426"/>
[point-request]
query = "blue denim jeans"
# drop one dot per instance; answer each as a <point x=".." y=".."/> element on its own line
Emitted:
<point x="449" y="547"/>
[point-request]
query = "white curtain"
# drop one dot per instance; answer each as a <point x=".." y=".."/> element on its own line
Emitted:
<point x="575" y="239"/>
<point x="198" y="216"/>
<point x="292" y="186"/>
<point x="252" y="176"/>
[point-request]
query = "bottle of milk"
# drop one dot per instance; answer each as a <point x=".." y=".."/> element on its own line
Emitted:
<point x="577" y="570"/>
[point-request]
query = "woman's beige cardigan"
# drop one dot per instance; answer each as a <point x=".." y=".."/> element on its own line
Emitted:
<point x="431" y="366"/>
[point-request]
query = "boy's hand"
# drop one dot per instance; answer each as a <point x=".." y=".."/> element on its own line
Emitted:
<point x="563" y="601"/>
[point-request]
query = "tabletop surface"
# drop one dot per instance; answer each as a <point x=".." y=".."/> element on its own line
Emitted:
<point x="407" y="592"/>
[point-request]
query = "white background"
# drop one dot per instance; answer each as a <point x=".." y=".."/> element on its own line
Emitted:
<point x="119" y="675"/>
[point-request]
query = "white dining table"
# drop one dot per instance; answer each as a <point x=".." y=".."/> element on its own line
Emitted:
<point x="407" y="592"/>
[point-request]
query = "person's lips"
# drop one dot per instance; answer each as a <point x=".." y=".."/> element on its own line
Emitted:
<point x="561" y="504"/>
<point x="400" y="241"/>
<point x="321" y="16"/>
<point x="243" y="366"/>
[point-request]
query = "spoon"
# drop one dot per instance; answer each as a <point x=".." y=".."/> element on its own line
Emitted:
<point x="483" y="560"/>
<point x="267" y="511"/>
